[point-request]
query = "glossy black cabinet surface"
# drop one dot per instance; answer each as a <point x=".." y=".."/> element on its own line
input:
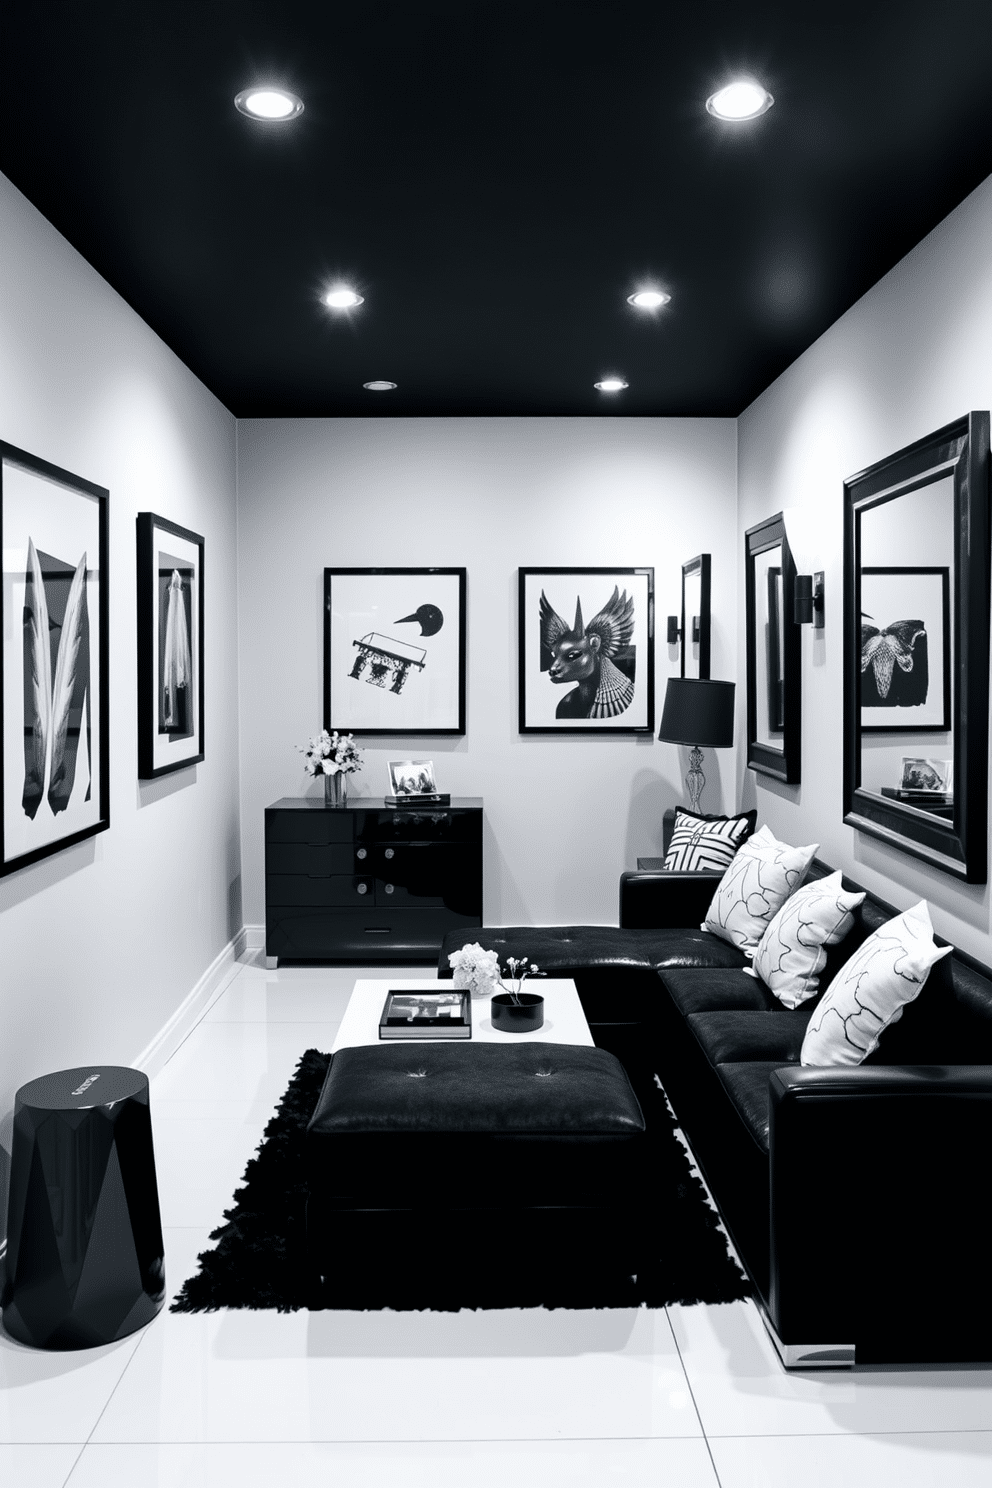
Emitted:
<point x="369" y="882"/>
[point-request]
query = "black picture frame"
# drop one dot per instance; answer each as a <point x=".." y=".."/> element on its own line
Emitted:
<point x="540" y="710"/>
<point x="941" y="605"/>
<point x="701" y="565"/>
<point x="54" y="660"/>
<point x="782" y="703"/>
<point x="431" y="647"/>
<point x="956" y="841"/>
<point x="171" y="730"/>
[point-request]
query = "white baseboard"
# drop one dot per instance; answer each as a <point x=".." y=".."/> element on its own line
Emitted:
<point x="156" y="1054"/>
<point x="253" y="937"/>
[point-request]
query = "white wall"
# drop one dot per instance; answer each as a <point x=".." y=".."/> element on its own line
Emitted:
<point x="912" y="355"/>
<point x="564" y="815"/>
<point x="100" y="943"/>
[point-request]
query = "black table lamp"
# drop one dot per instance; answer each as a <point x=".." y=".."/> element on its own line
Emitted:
<point x="698" y="712"/>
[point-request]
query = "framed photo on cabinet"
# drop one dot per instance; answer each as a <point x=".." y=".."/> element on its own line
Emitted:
<point x="394" y="650"/>
<point x="55" y="761"/>
<point x="170" y="647"/>
<point x="586" y="662"/>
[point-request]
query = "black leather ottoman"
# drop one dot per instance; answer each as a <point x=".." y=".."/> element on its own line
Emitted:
<point x="540" y="1136"/>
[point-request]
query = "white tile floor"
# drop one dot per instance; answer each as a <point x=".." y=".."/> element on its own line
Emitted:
<point x="687" y="1396"/>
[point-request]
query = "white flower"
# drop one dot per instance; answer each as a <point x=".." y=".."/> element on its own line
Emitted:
<point x="475" y="969"/>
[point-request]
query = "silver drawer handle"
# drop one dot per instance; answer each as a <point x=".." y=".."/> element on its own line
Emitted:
<point x="362" y="854"/>
<point x="389" y="888"/>
<point x="390" y="853"/>
<point x="363" y="888"/>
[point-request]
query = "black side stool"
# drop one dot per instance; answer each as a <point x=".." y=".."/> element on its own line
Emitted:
<point x="85" y="1258"/>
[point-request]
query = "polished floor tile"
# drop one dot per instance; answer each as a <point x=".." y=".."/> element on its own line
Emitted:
<point x="197" y="1192"/>
<point x="265" y="1376"/>
<point x="230" y="1069"/>
<point x="943" y="1459"/>
<point x="296" y="994"/>
<point x="36" y="1466"/>
<point x="482" y="1464"/>
<point x="49" y="1397"/>
<point x="741" y="1389"/>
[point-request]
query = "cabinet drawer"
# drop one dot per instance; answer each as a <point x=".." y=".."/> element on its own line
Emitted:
<point x="351" y="935"/>
<point x="317" y="826"/>
<point x="313" y="860"/>
<point x="296" y="889"/>
<point x="424" y="826"/>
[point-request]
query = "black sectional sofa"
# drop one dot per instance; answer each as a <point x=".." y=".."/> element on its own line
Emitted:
<point x="855" y="1197"/>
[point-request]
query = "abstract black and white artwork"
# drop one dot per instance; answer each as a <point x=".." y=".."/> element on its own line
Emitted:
<point x="170" y="647"/>
<point x="586" y="643"/>
<point x="55" y="760"/>
<point x="905" y="649"/>
<point x="394" y="650"/>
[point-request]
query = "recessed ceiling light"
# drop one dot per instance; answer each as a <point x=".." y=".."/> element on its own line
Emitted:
<point x="611" y="385"/>
<point x="648" y="299"/>
<point x="379" y="386"/>
<point x="741" y="100"/>
<point x="343" y="299"/>
<point x="273" y="105"/>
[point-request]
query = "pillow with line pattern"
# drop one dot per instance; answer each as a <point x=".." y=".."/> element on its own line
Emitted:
<point x="750" y="894"/>
<point x="870" y="991"/>
<point x="706" y="842"/>
<point x="792" y="952"/>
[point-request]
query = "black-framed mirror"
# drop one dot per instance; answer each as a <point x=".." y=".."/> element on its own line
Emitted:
<point x="696" y="624"/>
<point x="774" y="657"/>
<point x="916" y="648"/>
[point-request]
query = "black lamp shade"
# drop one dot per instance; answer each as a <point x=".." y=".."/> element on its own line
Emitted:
<point x="698" y="712"/>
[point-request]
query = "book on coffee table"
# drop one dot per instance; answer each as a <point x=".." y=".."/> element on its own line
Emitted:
<point x="426" y="1015"/>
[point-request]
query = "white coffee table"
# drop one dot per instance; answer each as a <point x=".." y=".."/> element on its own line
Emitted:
<point x="564" y="1020"/>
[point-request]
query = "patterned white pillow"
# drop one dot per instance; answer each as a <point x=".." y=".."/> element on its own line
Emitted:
<point x="871" y="990"/>
<point x="792" y="951"/>
<point x="755" y="886"/>
<point x="705" y="842"/>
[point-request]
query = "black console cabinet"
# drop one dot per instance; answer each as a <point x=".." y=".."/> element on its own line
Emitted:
<point x="369" y="882"/>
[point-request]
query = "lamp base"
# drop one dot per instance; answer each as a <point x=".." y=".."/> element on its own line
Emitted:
<point x="695" y="780"/>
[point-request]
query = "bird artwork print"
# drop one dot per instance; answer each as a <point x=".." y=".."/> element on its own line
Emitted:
<point x="894" y="664"/>
<point x="596" y="655"/>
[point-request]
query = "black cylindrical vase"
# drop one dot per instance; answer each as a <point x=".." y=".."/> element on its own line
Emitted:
<point x="522" y="1014"/>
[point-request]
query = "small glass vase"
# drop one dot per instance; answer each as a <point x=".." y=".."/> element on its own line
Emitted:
<point x="336" y="789"/>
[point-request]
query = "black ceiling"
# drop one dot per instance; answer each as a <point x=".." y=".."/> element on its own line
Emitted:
<point x="495" y="178"/>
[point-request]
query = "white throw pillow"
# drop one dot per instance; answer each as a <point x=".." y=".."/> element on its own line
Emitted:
<point x="871" y="990"/>
<point x="755" y="886"/>
<point x="792" y="951"/>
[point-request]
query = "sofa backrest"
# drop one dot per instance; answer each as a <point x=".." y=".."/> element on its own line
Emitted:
<point x="951" y="1020"/>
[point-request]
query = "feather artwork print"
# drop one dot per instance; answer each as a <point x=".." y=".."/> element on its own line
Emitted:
<point x="37" y="685"/>
<point x="64" y="690"/>
<point x="178" y="661"/>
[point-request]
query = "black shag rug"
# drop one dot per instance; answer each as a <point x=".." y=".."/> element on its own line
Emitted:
<point x="260" y="1256"/>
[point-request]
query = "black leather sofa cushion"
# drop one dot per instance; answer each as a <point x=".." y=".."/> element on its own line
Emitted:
<point x="734" y="1037"/>
<point x="560" y="950"/>
<point x="747" y="1086"/>
<point x="711" y="990"/>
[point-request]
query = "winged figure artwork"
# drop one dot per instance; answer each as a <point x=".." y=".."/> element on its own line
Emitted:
<point x="596" y="655"/>
<point x="894" y="664"/>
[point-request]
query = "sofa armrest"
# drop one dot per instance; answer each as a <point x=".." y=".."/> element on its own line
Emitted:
<point x="665" y="901"/>
<point x="876" y="1198"/>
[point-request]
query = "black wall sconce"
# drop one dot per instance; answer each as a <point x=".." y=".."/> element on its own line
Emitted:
<point x="675" y="630"/>
<point x="807" y="600"/>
